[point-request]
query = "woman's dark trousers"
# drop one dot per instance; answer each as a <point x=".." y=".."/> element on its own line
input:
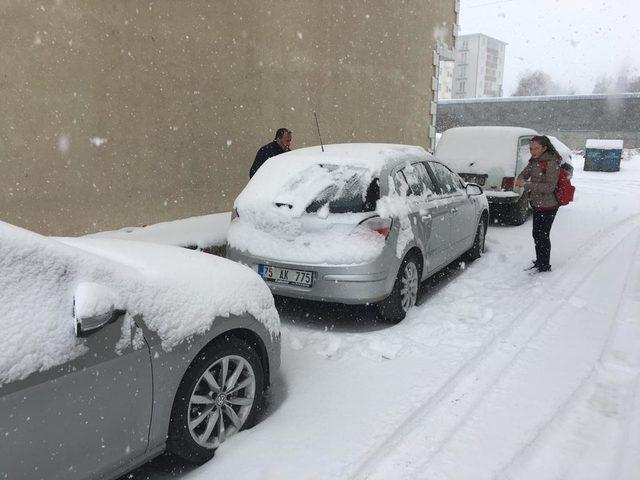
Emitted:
<point x="542" y="221"/>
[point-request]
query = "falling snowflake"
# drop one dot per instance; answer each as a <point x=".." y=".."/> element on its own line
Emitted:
<point x="63" y="143"/>
<point x="98" y="141"/>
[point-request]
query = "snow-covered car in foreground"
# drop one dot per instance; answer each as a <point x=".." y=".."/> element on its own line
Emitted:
<point x="356" y="224"/>
<point x="112" y="351"/>
<point x="493" y="157"/>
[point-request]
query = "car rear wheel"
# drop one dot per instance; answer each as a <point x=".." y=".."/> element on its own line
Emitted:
<point x="221" y="393"/>
<point x="404" y="294"/>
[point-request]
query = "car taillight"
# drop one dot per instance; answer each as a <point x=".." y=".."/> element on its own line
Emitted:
<point x="507" y="183"/>
<point x="378" y="225"/>
<point x="234" y="214"/>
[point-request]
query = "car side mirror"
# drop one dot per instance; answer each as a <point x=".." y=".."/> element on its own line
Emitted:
<point x="473" y="189"/>
<point x="94" y="306"/>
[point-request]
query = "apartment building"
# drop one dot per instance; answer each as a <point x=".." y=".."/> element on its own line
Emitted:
<point x="479" y="67"/>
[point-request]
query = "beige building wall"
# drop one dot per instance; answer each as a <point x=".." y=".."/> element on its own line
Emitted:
<point x="119" y="113"/>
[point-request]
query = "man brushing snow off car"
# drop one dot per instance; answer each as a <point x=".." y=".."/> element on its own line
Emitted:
<point x="281" y="144"/>
<point x="540" y="178"/>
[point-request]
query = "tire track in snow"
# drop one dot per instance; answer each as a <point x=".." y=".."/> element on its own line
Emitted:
<point x="618" y="369"/>
<point x="434" y="423"/>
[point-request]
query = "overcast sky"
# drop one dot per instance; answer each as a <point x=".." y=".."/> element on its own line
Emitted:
<point x="574" y="41"/>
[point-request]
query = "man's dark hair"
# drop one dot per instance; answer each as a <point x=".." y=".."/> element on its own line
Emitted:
<point x="281" y="131"/>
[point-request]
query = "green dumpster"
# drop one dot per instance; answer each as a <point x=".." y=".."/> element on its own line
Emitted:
<point x="603" y="155"/>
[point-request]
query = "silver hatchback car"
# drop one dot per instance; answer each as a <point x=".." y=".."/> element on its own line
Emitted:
<point x="356" y="224"/>
<point x="112" y="351"/>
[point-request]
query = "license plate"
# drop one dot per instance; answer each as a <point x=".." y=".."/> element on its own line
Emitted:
<point x="288" y="276"/>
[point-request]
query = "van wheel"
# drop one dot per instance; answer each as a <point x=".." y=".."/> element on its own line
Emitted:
<point x="519" y="211"/>
<point x="404" y="294"/>
<point x="220" y="394"/>
<point x="477" y="249"/>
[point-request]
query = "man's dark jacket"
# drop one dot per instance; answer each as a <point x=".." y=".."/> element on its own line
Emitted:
<point x="266" y="152"/>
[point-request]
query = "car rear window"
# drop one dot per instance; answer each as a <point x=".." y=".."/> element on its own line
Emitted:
<point x="352" y="190"/>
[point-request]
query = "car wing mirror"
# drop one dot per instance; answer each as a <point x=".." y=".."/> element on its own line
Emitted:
<point x="473" y="189"/>
<point x="94" y="306"/>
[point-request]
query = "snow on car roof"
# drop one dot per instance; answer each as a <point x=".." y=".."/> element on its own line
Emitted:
<point x="603" y="144"/>
<point x="562" y="149"/>
<point x="372" y="156"/>
<point x="178" y="292"/>
<point x="494" y="130"/>
<point x="472" y="149"/>
<point x="277" y="177"/>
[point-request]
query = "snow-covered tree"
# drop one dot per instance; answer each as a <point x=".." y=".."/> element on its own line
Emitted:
<point x="540" y="83"/>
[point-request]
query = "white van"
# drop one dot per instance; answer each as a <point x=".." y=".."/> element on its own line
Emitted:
<point x="492" y="157"/>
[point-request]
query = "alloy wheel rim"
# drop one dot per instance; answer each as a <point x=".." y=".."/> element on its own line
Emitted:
<point x="221" y="401"/>
<point x="409" y="286"/>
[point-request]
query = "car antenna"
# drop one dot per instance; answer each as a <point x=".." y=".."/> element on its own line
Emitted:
<point x="320" y="136"/>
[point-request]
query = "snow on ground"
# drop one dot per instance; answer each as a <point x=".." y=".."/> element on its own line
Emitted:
<point x="200" y="232"/>
<point x="496" y="374"/>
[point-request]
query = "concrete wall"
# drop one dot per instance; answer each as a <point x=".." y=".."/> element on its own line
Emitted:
<point x="119" y="113"/>
<point x="572" y="119"/>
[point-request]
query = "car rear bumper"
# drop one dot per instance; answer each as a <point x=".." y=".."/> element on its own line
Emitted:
<point x="502" y="198"/>
<point x="349" y="284"/>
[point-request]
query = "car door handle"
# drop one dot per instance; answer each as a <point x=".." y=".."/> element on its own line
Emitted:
<point x="426" y="217"/>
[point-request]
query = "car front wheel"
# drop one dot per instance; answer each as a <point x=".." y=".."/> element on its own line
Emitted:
<point x="220" y="394"/>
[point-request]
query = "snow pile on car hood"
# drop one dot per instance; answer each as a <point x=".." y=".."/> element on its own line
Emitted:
<point x="178" y="292"/>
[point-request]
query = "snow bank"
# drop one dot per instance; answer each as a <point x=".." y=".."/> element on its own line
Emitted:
<point x="202" y="232"/>
<point x="178" y="292"/>
<point x="604" y="144"/>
